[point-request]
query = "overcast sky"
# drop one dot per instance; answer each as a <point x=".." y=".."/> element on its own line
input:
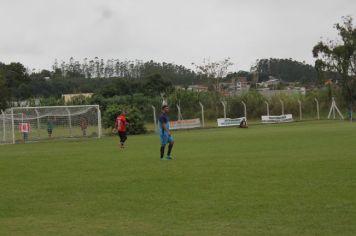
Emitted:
<point x="36" y="32"/>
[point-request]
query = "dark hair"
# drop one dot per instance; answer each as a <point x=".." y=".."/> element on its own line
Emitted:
<point x="164" y="106"/>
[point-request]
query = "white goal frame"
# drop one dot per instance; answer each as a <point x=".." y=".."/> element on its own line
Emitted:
<point x="50" y="122"/>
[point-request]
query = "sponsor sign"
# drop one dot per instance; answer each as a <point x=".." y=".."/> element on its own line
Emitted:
<point x="223" y="122"/>
<point x="184" y="124"/>
<point x="277" y="119"/>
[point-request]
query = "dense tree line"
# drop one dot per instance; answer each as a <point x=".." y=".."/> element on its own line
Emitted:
<point x="286" y="70"/>
<point x="114" y="68"/>
<point x="149" y="78"/>
<point x="121" y="78"/>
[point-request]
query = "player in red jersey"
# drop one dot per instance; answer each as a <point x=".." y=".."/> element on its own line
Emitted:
<point x="25" y="129"/>
<point x="120" y="125"/>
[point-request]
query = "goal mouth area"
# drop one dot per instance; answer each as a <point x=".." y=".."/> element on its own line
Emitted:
<point x="29" y="124"/>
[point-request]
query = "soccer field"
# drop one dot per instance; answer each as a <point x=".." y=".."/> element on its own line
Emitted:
<point x="288" y="179"/>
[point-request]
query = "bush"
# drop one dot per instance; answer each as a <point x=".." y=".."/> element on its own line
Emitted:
<point x="52" y="101"/>
<point x="139" y="101"/>
<point x="134" y="117"/>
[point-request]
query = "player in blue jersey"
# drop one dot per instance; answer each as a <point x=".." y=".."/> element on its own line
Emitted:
<point x="165" y="134"/>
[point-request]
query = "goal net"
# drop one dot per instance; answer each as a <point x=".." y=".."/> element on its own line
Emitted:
<point x="26" y="124"/>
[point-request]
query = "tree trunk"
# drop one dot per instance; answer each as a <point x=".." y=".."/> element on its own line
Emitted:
<point x="350" y="110"/>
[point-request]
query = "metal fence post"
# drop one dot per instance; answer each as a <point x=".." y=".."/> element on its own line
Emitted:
<point x="317" y="108"/>
<point x="202" y="114"/>
<point x="300" y="109"/>
<point x="267" y="108"/>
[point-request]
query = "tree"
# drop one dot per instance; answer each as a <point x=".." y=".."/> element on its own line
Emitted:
<point x="285" y="69"/>
<point x="214" y="71"/>
<point x="4" y="93"/>
<point x="340" y="56"/>
<point x="14" y="75"/>
<point x="155" y="85"/>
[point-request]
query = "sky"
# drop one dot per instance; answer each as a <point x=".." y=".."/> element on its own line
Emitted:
<point x="36" y="32"/>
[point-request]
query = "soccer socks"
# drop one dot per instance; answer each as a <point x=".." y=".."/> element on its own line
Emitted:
<point x="122" y="140"/>
<point x="162" y="151"/>
<point x="170" y="146"/>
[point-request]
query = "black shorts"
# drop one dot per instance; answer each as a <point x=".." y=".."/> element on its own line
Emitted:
<point x="122" y="135"/>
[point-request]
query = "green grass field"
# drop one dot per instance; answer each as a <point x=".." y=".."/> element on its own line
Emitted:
<point x="290" y="179"/>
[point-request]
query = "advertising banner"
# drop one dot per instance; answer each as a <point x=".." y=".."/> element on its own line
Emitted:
<point x="223" y="122"/>
<point x="277" y="119"/>
<point x="184" y="124"/>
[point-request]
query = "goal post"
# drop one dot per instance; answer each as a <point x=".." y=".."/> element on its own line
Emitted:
<point x="25" y="124"/>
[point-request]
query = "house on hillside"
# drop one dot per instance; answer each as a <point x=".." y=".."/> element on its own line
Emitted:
<point x="241" y="83"/>
<point x="271" y="82"/>
<point x="236" y="86"/>
<point x="197" y="88"/>
<point x="69" y="97"/>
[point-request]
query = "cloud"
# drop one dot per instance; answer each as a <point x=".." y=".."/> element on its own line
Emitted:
<point x="38" y="31"/>
<point x="107" y="13"/>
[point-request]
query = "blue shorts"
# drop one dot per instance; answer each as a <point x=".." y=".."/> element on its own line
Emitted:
<point x="166" y="139"/>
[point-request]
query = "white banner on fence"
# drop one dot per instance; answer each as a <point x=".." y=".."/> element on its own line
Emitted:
<point x="222" y="122"/>
<point x="277" y="119"/>
<point x="185" y="124"/>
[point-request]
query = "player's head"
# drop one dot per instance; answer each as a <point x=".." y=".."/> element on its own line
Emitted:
<point x="165" y="108"/>
<point x="123" y="113"/>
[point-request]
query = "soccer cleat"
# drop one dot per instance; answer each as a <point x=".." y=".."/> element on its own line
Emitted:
<point x="169" y="158"/>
